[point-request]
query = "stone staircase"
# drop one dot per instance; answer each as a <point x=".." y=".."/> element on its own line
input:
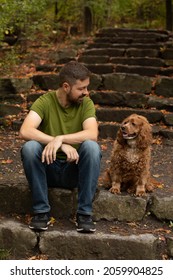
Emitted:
<point x="131" y="73"/>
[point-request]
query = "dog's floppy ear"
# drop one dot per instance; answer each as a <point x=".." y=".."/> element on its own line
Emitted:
<point x="145" y="136"/>
<point x="120" y="138"/>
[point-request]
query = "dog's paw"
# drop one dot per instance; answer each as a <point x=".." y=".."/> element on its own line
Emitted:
<point x="140" y="190"/>
<point x="140" y="193"/>
<point x="115" y="188"/>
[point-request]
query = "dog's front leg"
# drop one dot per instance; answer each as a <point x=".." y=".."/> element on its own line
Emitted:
<point x="140" y="190"/>
<point x="115" y="188"/>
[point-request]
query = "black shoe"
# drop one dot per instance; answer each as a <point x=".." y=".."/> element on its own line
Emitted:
<point x="85" y="223"/>
<point x="40" y="221"/>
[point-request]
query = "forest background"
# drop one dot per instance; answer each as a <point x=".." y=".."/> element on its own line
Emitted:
<point x="23" y="22"/>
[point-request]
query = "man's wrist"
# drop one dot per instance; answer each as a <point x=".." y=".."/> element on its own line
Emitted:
<point x="59" y="138"/>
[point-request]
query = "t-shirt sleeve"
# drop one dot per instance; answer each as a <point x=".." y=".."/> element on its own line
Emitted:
<point x="88" y="110"/>
<point x="39" y="107"/>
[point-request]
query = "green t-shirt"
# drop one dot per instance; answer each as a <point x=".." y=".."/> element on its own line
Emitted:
<point x="57" y="120"/>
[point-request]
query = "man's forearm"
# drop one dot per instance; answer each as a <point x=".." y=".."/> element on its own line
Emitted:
<point x="35" y="134"/>
<point x="79" y="137"/>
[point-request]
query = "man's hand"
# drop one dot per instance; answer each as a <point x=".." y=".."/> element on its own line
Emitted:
<point x="49" y="152"/>
<point x="72" y="154"/>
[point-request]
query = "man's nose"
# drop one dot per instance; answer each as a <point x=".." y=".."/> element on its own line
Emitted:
<point x="86" y="92"/>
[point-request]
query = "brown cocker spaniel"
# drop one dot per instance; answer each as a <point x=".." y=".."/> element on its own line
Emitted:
<point x="130" y="160"/>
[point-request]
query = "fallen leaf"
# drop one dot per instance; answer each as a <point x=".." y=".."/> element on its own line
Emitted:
<point x="52" y="220"/>
<point x="104" y="147"/>
<point x="39" y="257"/>
<point x="6" y="161"/>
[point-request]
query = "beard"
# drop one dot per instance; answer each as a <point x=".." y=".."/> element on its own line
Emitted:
<point x="75" y="101"/>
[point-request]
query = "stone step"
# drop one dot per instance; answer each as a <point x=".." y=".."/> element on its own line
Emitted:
<point x="108" y="68"/>
<point x="131" y="30"/>
<point x="117" y="114"/>
<point x="108" y="130"/>
<point x="104" y="65"/>
<point x="129" y="99"/>
<point x="130" y="52"/>
<point x="128" y="40"/>
<point x="133" y="33"/>
<point x="108" y="243"/>
<point x="140" y="61"/>
<point x="96" y="45"/>
<point x="106" y="206"/>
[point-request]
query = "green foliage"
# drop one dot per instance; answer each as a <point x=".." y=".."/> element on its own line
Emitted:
<point x="9" y="61"/>
<point x="31" y="16"/>
<point x="20" y="14"/>
<point x="138" y="13"/>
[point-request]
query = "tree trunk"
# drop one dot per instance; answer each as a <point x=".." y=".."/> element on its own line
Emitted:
<point x="55" y="10"/>
<point x="169" y="15"/>
<point x="87" y="20"/>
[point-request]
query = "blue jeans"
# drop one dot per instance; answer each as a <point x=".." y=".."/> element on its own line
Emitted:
<point x="63" y="174"/>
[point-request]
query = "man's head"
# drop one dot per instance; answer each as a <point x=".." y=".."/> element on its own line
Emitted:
<point x="74" y="80"/>
<point x="72" y="72"/>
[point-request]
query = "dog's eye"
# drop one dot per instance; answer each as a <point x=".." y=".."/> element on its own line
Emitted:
<point x="133" y="124"/>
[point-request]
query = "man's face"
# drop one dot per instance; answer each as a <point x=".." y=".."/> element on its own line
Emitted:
<point x="78" y="91"/>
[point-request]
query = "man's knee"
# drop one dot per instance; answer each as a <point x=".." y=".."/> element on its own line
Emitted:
<point x="31" y="149"/>
<point x="91" y="148"/>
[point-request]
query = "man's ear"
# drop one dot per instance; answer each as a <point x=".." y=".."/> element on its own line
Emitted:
<point x="66" y="86"/>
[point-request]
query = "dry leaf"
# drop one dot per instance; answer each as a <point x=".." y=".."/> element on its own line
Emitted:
<point x="6" y="161"/>
<point x="104" y="147"/>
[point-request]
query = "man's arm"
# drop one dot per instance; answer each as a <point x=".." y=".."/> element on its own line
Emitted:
<point x="89" y="132"/>
<point x="29" y="129"/>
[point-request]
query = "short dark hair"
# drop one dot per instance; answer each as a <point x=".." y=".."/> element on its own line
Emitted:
<point x="73" y="71"/>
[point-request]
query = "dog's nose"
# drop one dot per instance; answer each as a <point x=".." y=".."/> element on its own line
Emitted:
<point x="122" y="127"/>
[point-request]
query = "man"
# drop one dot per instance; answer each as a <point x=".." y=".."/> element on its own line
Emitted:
<point x="61" y="149"/>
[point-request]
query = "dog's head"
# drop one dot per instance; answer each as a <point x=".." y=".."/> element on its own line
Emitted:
<point x="135" y="127"/>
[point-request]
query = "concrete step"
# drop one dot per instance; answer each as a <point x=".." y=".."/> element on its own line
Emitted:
<point x="110" y="242"/>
